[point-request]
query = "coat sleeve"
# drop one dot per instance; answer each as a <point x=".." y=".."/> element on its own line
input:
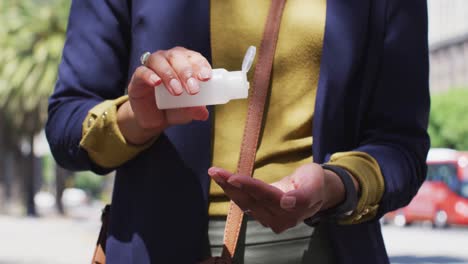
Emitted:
<point x="395" y="129"/>
<point x="94" y="68"/>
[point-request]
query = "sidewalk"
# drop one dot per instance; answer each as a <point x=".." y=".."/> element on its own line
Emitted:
<point x="48" y="240"/>
<point x="58" y="240"/>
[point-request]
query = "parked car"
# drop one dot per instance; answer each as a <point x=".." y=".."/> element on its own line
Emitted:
<point x="443" y="197"/>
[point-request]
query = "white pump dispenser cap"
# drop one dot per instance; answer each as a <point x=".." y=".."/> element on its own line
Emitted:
<point x="248" y="59"/>
<point x="236" y="83"/>
<point x="222" y="87"/>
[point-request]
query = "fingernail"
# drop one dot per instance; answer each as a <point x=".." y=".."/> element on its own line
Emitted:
<point x="288" y="202"/>
<point x="176" y="86"/>
<point x="155" y="79"/>
<point x="193" y="86"/>
<point x="212" y="172"/>
<point x="205" y="73"/>
<point x="235" y="183"/>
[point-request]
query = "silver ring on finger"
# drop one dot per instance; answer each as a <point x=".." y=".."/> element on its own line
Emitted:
<point x="144" y="58"/>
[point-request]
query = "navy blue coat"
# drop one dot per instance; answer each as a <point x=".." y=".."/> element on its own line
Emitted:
<point x="372" y="97"/>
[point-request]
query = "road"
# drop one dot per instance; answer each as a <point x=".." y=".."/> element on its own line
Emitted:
<point x="70" y="241"/>
<point x="46" y="240"/>
<point x="424" y="245"/>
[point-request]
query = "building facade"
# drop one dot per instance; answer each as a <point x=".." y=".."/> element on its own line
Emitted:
<point x="448" y="42"/>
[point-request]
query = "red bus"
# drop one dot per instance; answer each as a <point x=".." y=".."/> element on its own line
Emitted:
<point x="443" y="197"/>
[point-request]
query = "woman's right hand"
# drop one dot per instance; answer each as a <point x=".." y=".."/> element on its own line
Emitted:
<point x="179" y="69"/>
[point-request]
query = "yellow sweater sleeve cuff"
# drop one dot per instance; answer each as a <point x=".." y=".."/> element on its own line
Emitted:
<point x="102" y="139"/>
<point x="367" y="172"/>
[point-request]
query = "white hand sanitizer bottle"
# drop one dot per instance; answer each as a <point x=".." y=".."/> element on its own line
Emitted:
<point x="220" y="89"/>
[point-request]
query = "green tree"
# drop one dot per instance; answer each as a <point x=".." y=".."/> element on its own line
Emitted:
<point x="31" y="40"/>
<point x="448" y="122"/>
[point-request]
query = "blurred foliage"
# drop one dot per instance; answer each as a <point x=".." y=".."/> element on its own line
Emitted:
<point x="32" y="35"/>
<point x="448" y="122"/>
<point x="48" y="170"/>
<point x="89" y="182"/>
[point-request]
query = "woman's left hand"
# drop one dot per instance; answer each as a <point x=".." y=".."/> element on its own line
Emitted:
<point x="285" y="203"/>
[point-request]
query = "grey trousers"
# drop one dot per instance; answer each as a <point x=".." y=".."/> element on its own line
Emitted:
<point x="299" y="245"/>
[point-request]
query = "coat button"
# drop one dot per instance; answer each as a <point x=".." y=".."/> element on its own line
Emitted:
<point x="366" y="211"/>
<point x="90" y="121"/>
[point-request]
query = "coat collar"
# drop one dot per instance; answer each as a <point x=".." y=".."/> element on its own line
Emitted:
<point x="342" y="60"/>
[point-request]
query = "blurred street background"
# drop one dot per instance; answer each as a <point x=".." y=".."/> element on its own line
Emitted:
<point x="50" y="215"/>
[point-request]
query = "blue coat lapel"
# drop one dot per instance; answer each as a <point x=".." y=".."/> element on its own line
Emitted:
<point x="158" y="25"/>
<point x="347" y="73"/>
<point x="343" y="55"/>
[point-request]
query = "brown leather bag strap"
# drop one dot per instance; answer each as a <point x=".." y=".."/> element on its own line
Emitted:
<point x="261" y="83"/>
<point x="99" y="256"/>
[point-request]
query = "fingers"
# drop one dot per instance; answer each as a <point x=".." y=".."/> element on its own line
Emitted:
<point x="260" y="194"/>
<point x="286" y="184"/>
<point x="244" y="200"/>
<point x="201" y="66"/>
<point x="180" y="69"/>
<point x="143" y="82"/>
<point x="261" y="191"/>
<point x="262" y="199"/>
<point x="177" y="116"/>
<point x="179" y="61"/>
<point x="142" y="100"/>
<point x="199" y="113"/>
<point x="180" y="116"/>
<point x="159" y="64"/>
<point x="296" y="199"/>
<point x="258" y="191"/>
<point x="307" y="182"/>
